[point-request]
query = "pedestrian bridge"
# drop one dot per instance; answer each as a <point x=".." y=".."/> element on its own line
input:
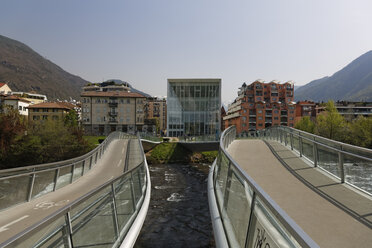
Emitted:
<point x="290" y="189"/>
<point x="286" y="189"/>
<point x="97" y="200"/>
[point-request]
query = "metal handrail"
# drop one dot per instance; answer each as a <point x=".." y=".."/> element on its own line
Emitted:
<point x="141" y="206"/>
<point x="86" y="162"/>
<point x="338" y="148"/>
<point x="293" y="229"/>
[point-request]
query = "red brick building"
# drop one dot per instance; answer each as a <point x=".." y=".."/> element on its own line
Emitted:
<point x="260" y="105"/>
<point x="305" y="108"/>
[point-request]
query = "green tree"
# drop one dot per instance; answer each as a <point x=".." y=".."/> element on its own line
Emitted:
<point x="360" y="132"/>
<point x="330" y="124"/>
<point x="305" y="124"/>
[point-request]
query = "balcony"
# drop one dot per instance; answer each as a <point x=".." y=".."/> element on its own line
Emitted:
<point x="113" y="104"/>
<point x="113" y="113"/>
<point x="112" y="120"/>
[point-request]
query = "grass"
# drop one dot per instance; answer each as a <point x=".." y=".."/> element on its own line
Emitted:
<point x="94" y="140"/>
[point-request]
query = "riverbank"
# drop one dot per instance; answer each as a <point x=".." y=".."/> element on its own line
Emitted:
<point x="171" y="153"/>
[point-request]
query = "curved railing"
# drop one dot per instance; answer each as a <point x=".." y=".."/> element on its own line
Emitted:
<point x="348" y="163"/>
<point x="23" y="184"/>
<point x="243" y="215"/>
<point x="111" y="215"/>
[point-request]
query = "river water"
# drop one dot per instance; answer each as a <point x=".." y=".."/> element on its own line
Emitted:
<point x="178" y="215"/>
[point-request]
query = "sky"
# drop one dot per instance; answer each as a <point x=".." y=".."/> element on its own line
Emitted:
<point x="144" y="42"/>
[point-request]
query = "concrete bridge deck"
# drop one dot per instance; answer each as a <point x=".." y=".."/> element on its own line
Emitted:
<point x="23" y="216"/>
<point x="332" y="214"/>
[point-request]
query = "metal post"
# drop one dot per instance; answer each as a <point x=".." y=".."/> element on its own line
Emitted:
<point x="83" y="168"/>
<point x="285" y="139"/>
<point x="300" y="141"/>
<point x="133" y="194"/>
<point x="72" y="172"/>
<point x="31" y="186"/>
<point x="114" y="210"/>
<point x="250" y="219"/>
<point x="291" y="140"/>
<point x="315" y="154"/>
<point x="341" y="165"/>
<point x="68" y="231"/>
<point x="228" y="185"/>
<point x="56" y="179"/>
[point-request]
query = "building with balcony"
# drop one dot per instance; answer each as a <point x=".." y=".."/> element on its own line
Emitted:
<point x="107" y="111"/>
<point x="33" y="98"/>
<point x="305" y="108"/>
<point x="156" y="110"/>
<point x="54" y="111"/>
<point x="260" y="105"/>
<point x="194" y="107"/>
<point x="349" y="110"/>
<point x="14" y="102"/>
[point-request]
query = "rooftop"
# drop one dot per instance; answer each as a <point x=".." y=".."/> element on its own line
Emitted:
<point x="52" y="105"/>
<point x="111" y="94"/>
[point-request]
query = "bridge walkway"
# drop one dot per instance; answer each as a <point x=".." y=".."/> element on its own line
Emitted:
<point x="23" y="216"/>
<point x="327" y="221"/>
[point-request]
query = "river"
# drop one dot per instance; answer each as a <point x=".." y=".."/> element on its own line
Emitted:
<point x="178" y="215"/>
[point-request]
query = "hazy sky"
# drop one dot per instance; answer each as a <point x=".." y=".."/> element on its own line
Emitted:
<point x="145" y="42"/>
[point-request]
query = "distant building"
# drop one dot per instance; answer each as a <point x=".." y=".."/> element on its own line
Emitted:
<point x="108" y="107"/>
<point x="349" y="110"/>
<point x="305" y="108"/>
<point x="193" y="107"/>
<point x="17" y="103"/>
<point x="33" y="98"/>
<point x="261" y="105"/>
<point x="4" y="89"/>
<point x="48" y="111"/>
<point x="156" y="108"/>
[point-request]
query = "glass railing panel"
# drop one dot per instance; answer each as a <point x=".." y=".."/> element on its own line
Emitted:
<point x="44" y="183"/>
<point x="236" y="211"/>
<point x="14" y="190"/>
<point x="124" y="201"/>
<point x="95" y="228"/>
<point x="221" y="178"/>
<point x="328" y="160"/>
<point x="137" y="185"/>
<point x="64" y="176"/>
<point x="296" y="143"/>
<point x="307" y="149"/>
<point x="49" y="236"/>
<point x="266" y="231"/>
<point x="358" y="172"/>
<point x="78" y="171"/>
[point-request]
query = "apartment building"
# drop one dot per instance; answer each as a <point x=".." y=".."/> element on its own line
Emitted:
<point x="14" y="102"/>
<point x="156" y="108"/>
<point x="33" y="98"/>
<point x="349" y="110"/>
<point x="107" y="111"/>
<point x="305" y="108"/>
<point x="260" y="105"/>
<point x="53" y="111"/>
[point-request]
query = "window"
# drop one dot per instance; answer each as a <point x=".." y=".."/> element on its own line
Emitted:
<point x="36" y="117"/>
<point x="260" y="111"/>
<point x="20" y="108"/>
<point x="45" y="117"/>
<point x="260" y="117"/>
<point x="45" y="110"/>
<point x="128" y="100"/>
<point x="276" y="118"/>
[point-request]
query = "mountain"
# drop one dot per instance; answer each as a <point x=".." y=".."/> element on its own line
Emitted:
<point x="352" y="83"/>
<point x="25" y="70"/>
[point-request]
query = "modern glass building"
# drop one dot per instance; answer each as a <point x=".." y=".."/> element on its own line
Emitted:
<point x="193" y="107"/>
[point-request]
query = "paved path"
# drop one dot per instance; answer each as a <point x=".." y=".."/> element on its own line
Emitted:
<point x="329" y="225"/>
<point x="22" y="216"/>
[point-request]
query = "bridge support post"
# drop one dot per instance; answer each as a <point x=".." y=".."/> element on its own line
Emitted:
<point x="114" y="211"/>
<point x="341" y="165"/>
<point x="56" y="179"/>
<point x="301" y="145"/>
<point x="228" y="185"/>
<point x="291" y="140"/>
<point x="72" y="172"/>
<point x="67" y="231"/>
<point x="31" y="186"/>
<point x="250" y="222"/>
<point x="315" y="154"/>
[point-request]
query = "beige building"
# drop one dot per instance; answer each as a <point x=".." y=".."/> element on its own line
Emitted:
<point x="107" y="111"/>
<point x="48" y="111"/>
<point x="17" y="103"/>
<point x="4" y="89"/>
<point x="156" y="108"/>
<point x="33" y="98"/>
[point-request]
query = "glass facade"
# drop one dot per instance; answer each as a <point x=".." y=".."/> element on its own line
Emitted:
<point x="193" y="107"/>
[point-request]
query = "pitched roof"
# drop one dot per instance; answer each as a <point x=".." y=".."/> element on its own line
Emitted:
<point x="2" y="84"/>
<point x="53" y="105"/>
<point x="111" y="94"/>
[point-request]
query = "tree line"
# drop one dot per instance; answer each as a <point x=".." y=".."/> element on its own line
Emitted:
<point x="24" y="142"/>
<point x="332" y="125"/>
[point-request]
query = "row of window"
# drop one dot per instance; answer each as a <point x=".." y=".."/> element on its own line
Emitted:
<point x="43" y="110"/>
<point x="45" y="117"/>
